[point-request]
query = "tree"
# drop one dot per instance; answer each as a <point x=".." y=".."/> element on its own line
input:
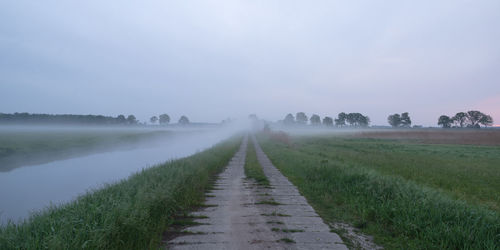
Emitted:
<point x="183" y="120"/>
<point x="394" y="120"/>
<point x="357" y="120"/>
<point x="121" y="119"/>
<point x="397" y="120"/>
<point x="164" y="119"/>
<point x="328" y="121"/>
<point x="153" y="119"/>
<point x="460" y="119"/>
<point x="315" y="120"/>
<point x="405" y="120"/>
<point x="132" y="120"/>
<point x="340" y="121"/>
<point x="351" y="119"/>
<point x="445" y="121"/>
<point x="301" y="118"/>
<point x="469" y="119"/>
<point x="363" y="120"/>
<point x="289" y="119"/>
<point x="486" y="120"/>
<point x="475" y="118"/>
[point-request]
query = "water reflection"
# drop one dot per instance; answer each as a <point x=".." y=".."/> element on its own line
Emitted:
<point x="32" y="188"/>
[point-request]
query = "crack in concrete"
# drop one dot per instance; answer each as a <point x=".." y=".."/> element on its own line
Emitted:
<point x="243" y="213"/>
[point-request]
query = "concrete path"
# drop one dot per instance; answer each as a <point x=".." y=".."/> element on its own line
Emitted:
<point x="249" y="216"/>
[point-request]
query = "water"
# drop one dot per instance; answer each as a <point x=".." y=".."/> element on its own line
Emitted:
<point x="32" y="188"/>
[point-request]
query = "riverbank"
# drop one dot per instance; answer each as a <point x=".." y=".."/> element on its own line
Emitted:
<point x="129" y="214"/>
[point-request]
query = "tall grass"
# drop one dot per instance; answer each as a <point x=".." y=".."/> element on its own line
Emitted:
<point x="130" y="214"/>
<point x="253" y="169"/>
<point x="399" y="213"/>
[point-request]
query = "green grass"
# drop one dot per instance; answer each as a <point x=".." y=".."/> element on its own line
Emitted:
<point x="268" y="202"/>
<point x="36" y="146"/>
<point x="292" y="230"/>
<point x="252" y="166"/>
<point x="286" y="240"/>
<point x="466" y="172"/>
<point x="276" y="214"/>
<point x="130" y="214"/>
<point x="362" y="182"/>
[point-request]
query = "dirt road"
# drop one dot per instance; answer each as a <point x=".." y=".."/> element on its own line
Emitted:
<point x="244" y="215"/>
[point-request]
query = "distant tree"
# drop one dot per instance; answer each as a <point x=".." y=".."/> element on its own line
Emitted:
<point x="183" y="120"/>
<point x="357" y="120"/>
<point x="405" y="120"/>
<point x="476" y="118"/>
<point x="351" y="119"/>
<point x="121" y="119"/>
<point x="362" y="121"/>
<point x="132" y="120"/>
<point x="153" y="119"/>
<point x="253" y="117"/>
<point x="469" y="119"/>
<point x="460" y="119"/>
<point x="341" y="120"/>
<point x="315" y="120"/>
<point x="394" y="120"/>
<point x="164" y="119"/>
<point x="327" y="121"/>
<point x="301" y="118"/>
<point x="486" y="120"/>
<point x="445" y="121"/>
<point x="289" y="119"/>
<point x="397" y="120"/>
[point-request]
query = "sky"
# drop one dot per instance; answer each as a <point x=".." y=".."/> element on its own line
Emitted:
<point x="214" y="59"/>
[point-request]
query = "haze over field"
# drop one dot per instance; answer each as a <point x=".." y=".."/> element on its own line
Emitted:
<point x="213" y="59"/>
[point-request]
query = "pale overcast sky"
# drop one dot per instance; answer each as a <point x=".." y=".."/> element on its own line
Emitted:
<point x="214" y="59"/>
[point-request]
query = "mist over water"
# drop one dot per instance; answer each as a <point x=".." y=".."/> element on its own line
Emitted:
<point x="32" y="188"/>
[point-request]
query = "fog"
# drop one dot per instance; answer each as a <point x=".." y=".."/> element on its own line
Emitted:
<point x="35" y="187"/>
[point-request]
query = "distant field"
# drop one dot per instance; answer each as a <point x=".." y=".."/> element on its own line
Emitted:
<point x="411" y="189"/>
<point x="489" y="137"/>
<point x="19" y="147"/>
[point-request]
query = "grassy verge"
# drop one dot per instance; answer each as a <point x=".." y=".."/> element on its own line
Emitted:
<point x="131" y="214"/>
<point x="400" y="213"/>
<point x="252" y="167"/>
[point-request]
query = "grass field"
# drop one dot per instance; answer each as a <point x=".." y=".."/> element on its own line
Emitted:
<point x="406" y="193"/>
<point x="253" y="169"/>
<point x="20" y="147"/>
<point x="131" y="214"/>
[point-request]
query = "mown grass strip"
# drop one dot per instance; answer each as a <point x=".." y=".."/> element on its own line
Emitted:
<point x="252" y="166"/>
<point x="130" y="214"/>
<point x="399" y="213"/>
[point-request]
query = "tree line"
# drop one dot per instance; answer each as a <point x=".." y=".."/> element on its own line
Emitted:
<point x="164" y="119"/>
<point x="342" y="120"/>
<point x="469" y="119"/>
<point x="68" y="119"/>
<point x="25" y="118"/>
